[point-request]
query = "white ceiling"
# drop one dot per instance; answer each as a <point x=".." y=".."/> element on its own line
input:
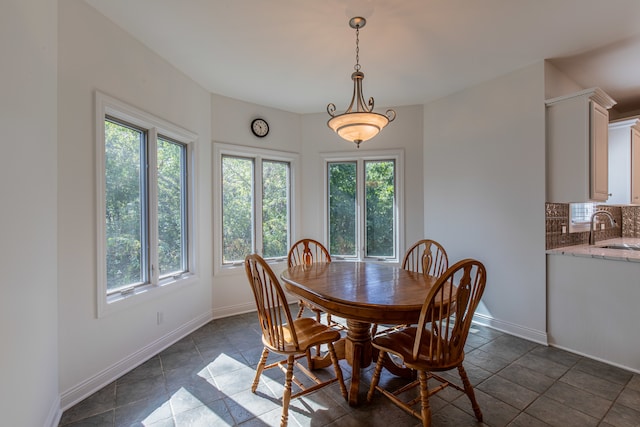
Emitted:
<point x="298" y="55"/>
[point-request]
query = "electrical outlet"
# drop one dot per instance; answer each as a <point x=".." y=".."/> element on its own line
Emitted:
<point x="601" y="226"/>
<point x="564" y="229"/>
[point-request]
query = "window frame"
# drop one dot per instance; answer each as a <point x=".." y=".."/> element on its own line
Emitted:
<point x="258" y="155"/>
<point x="107" y="107"/>
<point x="360" y="157"/>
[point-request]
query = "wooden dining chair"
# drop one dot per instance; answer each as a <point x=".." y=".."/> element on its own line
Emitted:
<point x="426" y="256"/>
<point x="437" y="342"/>
<point x="284" y="335"/>
<point x="308" y="252"/>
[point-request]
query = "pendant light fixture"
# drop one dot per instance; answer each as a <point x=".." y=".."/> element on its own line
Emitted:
<point x="362" y="124"/>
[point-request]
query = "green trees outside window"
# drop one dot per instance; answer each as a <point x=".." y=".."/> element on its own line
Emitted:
<point x="125" y="202"/>
<point x="380" y="202"/>
<point x="130" y="213"/>
<point x="237" y="208"/>
<point x="376" y="222"/>
<point x="342" y="208"/>
<point x="172" y="205"/>
<point x="275" y="209"/>
<point x="245" y="181"/>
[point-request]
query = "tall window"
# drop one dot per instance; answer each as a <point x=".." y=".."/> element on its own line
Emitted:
<point x="144" y="205"/>
<point x="256" y="202"/>
<point x="363" y="205"/>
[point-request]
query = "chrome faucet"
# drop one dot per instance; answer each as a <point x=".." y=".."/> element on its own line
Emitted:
<point x="592" y="236"/>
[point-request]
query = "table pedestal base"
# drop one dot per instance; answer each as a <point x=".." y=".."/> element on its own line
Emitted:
<point x="357" y="350"/>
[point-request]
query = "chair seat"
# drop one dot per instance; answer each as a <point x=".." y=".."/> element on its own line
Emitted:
<point x="310" y="333"/>
<point x="401" y="344"/>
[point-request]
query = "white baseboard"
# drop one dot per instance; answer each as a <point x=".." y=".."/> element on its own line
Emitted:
<point x="512" y="329"/>
<point x="232" y="310"/>
<point x="592" y="357"/>
<point x="86" y="388"/>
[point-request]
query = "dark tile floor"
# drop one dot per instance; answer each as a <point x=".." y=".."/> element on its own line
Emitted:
<point x="205" y="379"/>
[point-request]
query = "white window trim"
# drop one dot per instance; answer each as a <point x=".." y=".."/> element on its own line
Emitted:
<point x="360" y="157"/>
<point x="108" y="106"/>
<point x="220" y="149"/>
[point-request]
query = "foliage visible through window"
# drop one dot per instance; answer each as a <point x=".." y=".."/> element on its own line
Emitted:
<point x="237" y="208"/>
<point x="129" y="214"/>
<point x="377" y="222"/>
<point x="342" y="208"/>
<point x="125" y="203"/>
<point x="249" y="180"/>
<point x="380" y="201"/>
<point x="275" y="209"/>
<point x="172" y="203"/>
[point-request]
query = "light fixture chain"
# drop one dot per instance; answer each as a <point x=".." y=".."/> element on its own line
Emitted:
<point x="357" y="66"/>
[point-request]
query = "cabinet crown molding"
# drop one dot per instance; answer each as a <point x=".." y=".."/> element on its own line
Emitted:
<point x="595" y="94"/>
<point x="633" y="122"/>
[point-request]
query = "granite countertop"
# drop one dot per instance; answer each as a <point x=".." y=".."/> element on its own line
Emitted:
<point x="597" y="251"/>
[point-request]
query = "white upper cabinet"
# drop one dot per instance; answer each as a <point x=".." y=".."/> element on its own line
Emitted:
<point x="624" y="161"/>
<point x="635" y="163"/>
<point x="577" y="146"/>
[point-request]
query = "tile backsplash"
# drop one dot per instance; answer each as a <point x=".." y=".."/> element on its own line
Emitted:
<point x="630" y="221"/>
<point x="557" y="216"/>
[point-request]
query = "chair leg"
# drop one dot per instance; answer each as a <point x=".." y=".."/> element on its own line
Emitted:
<point x="259" y="369"/>
<point x="425" y="409"/>
<point x="376" y="376"/>
<point x="318" y="316"/>
<point x="468" y="389"/>
<point x="336" y="367"/>
<point x="287" y="391"/>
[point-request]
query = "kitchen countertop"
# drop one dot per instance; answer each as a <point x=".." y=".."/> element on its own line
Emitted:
<point x="597" y="251"/>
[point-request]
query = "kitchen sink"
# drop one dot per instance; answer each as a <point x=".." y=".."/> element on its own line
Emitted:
<point x="622" y="246"/>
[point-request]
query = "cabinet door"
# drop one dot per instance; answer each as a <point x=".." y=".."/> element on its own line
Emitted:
<point x="599" y="147"/>
<point x="635" y="166"/>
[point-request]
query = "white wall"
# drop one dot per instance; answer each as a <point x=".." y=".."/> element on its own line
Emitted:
<point x="28" y="216"/>
<point x="484" y="178"/>
<point x="94" y="54"/>
<point x="557" y="83"/>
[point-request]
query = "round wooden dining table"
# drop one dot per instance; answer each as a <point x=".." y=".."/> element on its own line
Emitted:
<point x="362" y="293"/>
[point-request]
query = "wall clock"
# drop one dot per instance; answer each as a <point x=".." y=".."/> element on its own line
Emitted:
<point x="260" y="127"/>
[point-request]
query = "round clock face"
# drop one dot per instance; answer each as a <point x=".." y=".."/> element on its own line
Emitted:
<point x="260" y="127"/>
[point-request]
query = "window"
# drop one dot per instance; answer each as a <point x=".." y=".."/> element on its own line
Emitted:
<point x="255" y="193"/>
<point x="364" y="200"/>
<point x="144" y="204"/>
<point x="580" y="216"/>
